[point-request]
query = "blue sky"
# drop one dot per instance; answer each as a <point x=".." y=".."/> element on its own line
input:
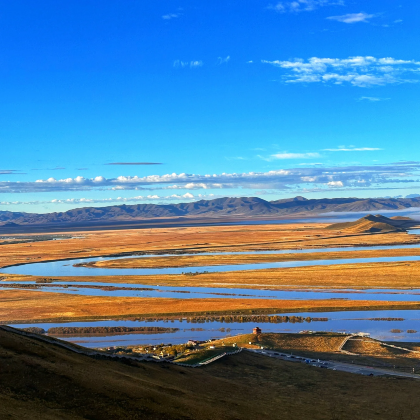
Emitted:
<point x="271" y="99"/>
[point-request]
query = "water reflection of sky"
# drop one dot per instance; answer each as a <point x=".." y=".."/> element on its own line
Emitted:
<point x="349" y="322"/>
<point x="66" y="268"/>
<point x="354" y="321"/>
<point x="412" y="295"/>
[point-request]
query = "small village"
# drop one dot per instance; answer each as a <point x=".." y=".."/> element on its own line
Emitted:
<point x="196" y="352"/>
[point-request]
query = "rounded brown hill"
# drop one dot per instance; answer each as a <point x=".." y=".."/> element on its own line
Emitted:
<point x="374" y="224"/>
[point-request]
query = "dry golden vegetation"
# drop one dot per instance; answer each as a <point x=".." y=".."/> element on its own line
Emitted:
<point x="41" y="381"/>
<point x="240" y="238"/>
<point x="393" y="275"/>
<point x="214" y="260"/>
<point x="369" y="349"/>
<point x="319" y="342"/>
<point x="30" y="305"/>
<point x="23" y="305"/>
<point x="326" y="346"/>
<point x="212" y="238"/>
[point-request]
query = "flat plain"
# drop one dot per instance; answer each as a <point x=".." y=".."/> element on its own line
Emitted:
<point x="193" y="239"/>
<point x="36" y="306"/>
<point x="25" y="305"/>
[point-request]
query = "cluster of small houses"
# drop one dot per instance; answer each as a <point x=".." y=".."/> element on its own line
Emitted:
<point x="195" y="345"/>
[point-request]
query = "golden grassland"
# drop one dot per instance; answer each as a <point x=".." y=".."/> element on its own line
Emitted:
<point x="368" y="348"/>
<point x="318" y="342"/>
<point x="392" y="275"/>
<point x="231" y="238"/>
<point x="212" y="238"/>
<point x="326" y="346"/>
<point x="35" y="305"/>
<point x="27" y="306"/>
<point x="321" y="344"/>
<point x="42" y="381"/>
<point x="214" y="260"/>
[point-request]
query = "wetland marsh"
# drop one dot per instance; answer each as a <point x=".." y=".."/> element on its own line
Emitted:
<point x="239" y="276"/>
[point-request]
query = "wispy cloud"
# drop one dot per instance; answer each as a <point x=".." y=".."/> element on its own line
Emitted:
<point x="360" y="71"/>
<point x="221" y="60"/>
<point x="297" y="6"/>
<point x="235" y="158"/>
<point x="10" y="172"/>
<point x="57" y="168"/>
<point x="136" y="199"/>
<point x="196" y="63"/>
<point x="372" y="99"/>
<point x="170" y="16"/>
<point x="286" y="155"/>
<point x="196" y="186"/>
<point x="353" y="149"/>
<point x="310" y="163"/>
<point x="134" y="163"/>
<point x="353" y="17"/>
<point x="191" y="64"/>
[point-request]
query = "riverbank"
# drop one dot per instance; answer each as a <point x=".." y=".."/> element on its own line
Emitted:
<point x="391" y="275"/>
<point x="35" y="306"/>
<point x="221" y="260"/>
<point x="194" y="239"/>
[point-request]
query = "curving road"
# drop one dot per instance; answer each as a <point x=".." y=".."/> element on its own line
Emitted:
<point x="333" y="365"/>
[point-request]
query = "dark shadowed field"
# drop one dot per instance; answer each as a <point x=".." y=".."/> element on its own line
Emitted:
<point x="41" y="381"/>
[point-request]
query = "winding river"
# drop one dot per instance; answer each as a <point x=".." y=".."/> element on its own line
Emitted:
<point x="67" y="267"/>
<point x="342" y="321"/>
<point x="372" y="322"/>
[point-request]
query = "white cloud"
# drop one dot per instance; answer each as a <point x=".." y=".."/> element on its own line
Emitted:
<point x="335" y="184"/>
<point x="295" y="155"/>
<point x="196" y="63"/>
<point x="190" y="64"/>
<point x="222" y="60"/>
<point x="353" y="17"/>
<point x="360" y="71"/>
<point x="353" y="149"/>
<point x="195" y="186"/>
<point x="137" y="199"/>
<point x="279" y="179"/>
<point x="297" y="6"/>
<point x="372" y="99"/>
<point x="170" y="16"/>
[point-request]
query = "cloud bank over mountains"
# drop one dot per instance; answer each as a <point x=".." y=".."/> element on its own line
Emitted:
<point x="319" y="177"/>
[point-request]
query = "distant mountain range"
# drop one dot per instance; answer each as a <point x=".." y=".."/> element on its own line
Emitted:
<point x="241" y="207"/>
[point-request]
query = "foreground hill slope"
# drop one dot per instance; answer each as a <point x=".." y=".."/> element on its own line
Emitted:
<point x="43" y="381"/>
<point x="374" y="224"/>
<point x="220" y="207"/>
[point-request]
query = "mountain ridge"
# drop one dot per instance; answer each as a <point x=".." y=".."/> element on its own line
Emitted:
<point x="219" y="207"/>
<point x="374" y="224"/>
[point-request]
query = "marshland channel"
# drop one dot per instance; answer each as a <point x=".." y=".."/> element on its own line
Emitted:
<point x="353" y="321"/>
